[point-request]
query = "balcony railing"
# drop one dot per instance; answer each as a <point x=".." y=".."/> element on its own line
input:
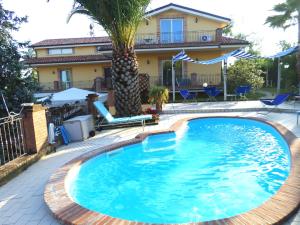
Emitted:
<point x="59" y="86"/>
<point x="191" y="81"/>
<point x="176" y="37"/>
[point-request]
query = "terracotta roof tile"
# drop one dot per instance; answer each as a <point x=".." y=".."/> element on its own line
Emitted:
<point x="67" y="59"/>
<point x="108" y="47"/>
<point x="228" y="40"/>
<point x="71" y="41"/>
<point x="99" y="40"/>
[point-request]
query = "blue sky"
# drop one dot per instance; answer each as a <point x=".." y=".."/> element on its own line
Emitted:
<point x="48" y="20"/>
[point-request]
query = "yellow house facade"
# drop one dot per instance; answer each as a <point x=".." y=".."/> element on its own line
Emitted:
<point x="164" y="32"/>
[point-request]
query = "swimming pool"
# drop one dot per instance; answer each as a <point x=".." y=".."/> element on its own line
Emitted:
<point x="210" y="169"/>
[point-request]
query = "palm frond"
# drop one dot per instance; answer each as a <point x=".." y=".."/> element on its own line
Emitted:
<point x="77" y="10"/>
<point x="119" y="18"/>
<point x="286" y="14"/>
<point x="279" y="21"/>
<point x="281" y="7"/>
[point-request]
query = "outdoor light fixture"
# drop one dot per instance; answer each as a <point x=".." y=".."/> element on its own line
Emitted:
<point x="95" y="70"/>
<point x="53" y="72"/>
<point x="205" y="85"/>
<point x="196" y="20"/>
<point x="147" y="22"/>
<point x="148" y="61"/>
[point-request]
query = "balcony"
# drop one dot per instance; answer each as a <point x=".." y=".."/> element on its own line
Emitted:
<point x="177" y="37"/>
<point x="98" y="84"/>
<point x="194" y="81"/>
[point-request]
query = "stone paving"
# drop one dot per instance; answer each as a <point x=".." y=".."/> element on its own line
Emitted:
<point x="21" y="200"/>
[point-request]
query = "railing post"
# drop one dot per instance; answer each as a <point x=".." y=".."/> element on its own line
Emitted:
<point x="111" y="101"/>
<point x="56" y="85"/>
<point x="35" y="127"/>
<point x="98" y="84"/>
<point x="91" y="98"/>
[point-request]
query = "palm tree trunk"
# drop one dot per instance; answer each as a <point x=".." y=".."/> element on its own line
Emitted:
<point x="126" y="83"/>
<point x="298" y="53"/>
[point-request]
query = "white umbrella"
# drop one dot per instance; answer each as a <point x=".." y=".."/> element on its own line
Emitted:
<point x="72" y="96"/>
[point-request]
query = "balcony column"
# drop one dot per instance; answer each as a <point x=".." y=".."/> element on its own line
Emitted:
<point x="219" y="33"/>
<point x="98" y="84"/>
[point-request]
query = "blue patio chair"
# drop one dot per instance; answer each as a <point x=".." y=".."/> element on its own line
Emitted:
<point x="212" y="93"/>
<point x="279" y="99"/>
<point x="119" y="121"/>
<point x="186" y="95"/>
<point x="241" y="91"/>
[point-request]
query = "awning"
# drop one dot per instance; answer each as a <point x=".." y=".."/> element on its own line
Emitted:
<point x="239" y="54"/>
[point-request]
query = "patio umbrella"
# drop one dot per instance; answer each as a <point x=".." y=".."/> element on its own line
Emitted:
<point x="70" y="96"/>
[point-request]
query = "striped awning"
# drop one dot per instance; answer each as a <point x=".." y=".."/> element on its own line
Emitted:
<point x="285" y="53"/>
<point x="240" y="54"/>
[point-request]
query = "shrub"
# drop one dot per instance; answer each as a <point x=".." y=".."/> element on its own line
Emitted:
<point x="245" y="72"/>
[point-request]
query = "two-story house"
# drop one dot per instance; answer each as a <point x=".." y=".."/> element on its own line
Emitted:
<point x="165" y="31"/>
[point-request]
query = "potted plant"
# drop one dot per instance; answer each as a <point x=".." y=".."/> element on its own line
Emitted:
<point x="158" y="95"/>
<point x="155" y="115"/>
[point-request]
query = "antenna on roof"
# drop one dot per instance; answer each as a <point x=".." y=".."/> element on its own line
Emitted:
<point x="92" y="33"/>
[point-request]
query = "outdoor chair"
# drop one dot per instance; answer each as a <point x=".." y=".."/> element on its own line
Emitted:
<point x="186" y="95"/>
<point x="212" y="93"/>
<point x="279" y="99"/>
<point x="119" y="121"/>
<point x="241" y="91"/>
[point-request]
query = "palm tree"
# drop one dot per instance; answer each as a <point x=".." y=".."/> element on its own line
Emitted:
<point x="120" y="19"/>
<point x="289" y="15"/>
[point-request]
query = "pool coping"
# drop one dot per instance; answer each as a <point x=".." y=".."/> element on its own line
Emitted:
<point x="275" y="210"/>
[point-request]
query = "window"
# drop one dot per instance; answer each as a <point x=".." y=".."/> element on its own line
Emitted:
<point x="60" y="51"/>
<point x="171" y="30"/>
<point x="65" y="78"/>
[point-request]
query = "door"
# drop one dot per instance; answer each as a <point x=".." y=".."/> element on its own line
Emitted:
<point x="167" y="72"/>
<point x="65" y="79"/>
<point x="171" y="31"/>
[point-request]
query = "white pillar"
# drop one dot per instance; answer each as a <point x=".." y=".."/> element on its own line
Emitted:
<point x="225" y="79"/>
<point x="173" y="81"/>
<point x="278" y="75"/>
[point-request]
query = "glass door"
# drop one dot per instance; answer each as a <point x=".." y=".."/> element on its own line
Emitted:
<point x="171" y="31"/>
<point x="65" y="79"/>
<point x="177" y="30"/>
<point x="167" y="72"/>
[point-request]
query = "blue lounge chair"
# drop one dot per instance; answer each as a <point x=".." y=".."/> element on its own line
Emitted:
<point x="187" y="95"/>
<point x="212" y="93"/>
<point x="279" y="99"/>
<point x="241" y="91"/>
<point x="119" y="121"/>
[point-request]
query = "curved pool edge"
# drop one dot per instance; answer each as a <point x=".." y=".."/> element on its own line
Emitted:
<point x="275" y="210"/>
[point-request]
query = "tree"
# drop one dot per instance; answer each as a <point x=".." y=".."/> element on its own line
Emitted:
<point x="17" y="85"/>
<point x="245" y="72"/>
<point x="289" y="77"/>
<point x="289" y="15"/>
<point x="120" y="19"/>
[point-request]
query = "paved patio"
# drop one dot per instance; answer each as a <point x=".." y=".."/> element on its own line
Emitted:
<point x="21" y="200"/>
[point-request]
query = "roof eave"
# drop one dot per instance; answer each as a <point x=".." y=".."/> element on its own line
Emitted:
<point x="189" y="11"/>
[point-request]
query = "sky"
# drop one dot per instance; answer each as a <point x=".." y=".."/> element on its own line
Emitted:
<point x="48" y="20"/>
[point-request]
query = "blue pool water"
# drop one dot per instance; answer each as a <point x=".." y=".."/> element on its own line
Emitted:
<point x="215" y="168"/>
